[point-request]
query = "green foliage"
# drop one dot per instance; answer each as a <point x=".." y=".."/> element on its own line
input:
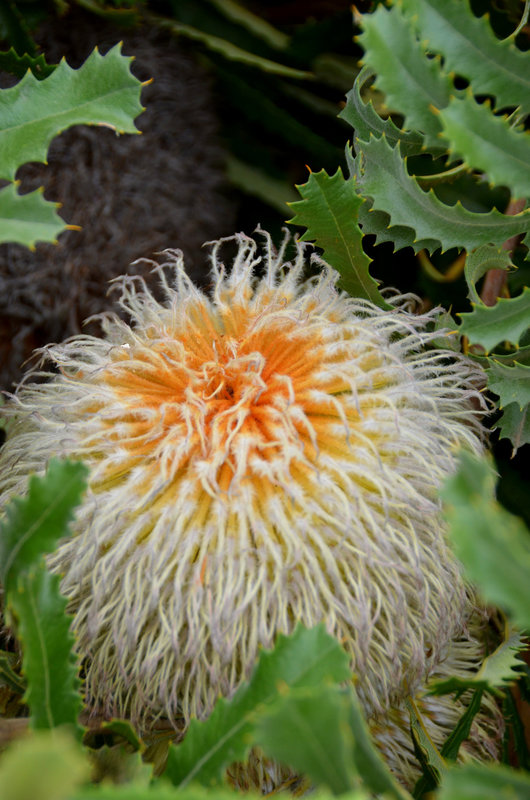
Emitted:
<point x="18" y="65"/>
<point x="514" y="425"/>
<point x="493" y="545"/>
<point x="381" y="174"/>
<point x="43" y="630"/>
<point x="308" y="729"/>
<point x="302" y="660"/>
<point x="506" y="321"/>
<point x="471" y="49"/>
<point x="511" y="383"/>
<point x="412" y="84"/>
<point x="478" y="782"/>
<point x="487" y="143"/>
<point x="479" y="262"/>
<point x="496" y="671"/>
<point x="329" y="212"/>
<point x="33" y="525"/>
<point x="101" y="92"/>
<point x="28" y="218"/>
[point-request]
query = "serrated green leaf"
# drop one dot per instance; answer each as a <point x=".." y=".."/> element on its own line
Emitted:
<point x="496" y="671"/>
<point x="460" y="732"/>
<point x="10" y="61"/>
<point x="44" y="765"/>
<point x="506" y="321"/>
<point x="493" y="544"/>
<point x="32" y="526"/>
<point x="480" y="261"/>
<point x="377" y="223"/>
<point x="368" y="760"/>
<point x="511" y="384"/>
<point x="514" y="424"/>
<point x="48" y="664"/>
<point x="484" y="782"/>
<point x="366" y="121"/>
<point x="101" y="92"/>
<point x="471" y="49"/>
<point x="307" y="730"/>
<point x="383" y="177"/>
<point x="28" y="218"/>
<point x="329" y="212"/>
<point x="229" y="50"/>
<point x="488" y="143"/>
<point x="411" y="82"/>
<point x="304" y="659"/>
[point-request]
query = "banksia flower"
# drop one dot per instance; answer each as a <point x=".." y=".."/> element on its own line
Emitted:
<point x="265" y="455"/>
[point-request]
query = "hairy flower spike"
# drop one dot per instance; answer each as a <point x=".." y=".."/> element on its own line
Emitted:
<point x="265" y="455"/>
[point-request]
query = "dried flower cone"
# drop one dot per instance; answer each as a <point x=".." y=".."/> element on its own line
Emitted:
<point x="266" y="455"/>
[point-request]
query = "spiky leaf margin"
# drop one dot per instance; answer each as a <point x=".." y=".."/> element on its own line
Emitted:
<point x="329" y="210"/>
<point x="382" y="176"/>
<point x="471" y="49"/>
<point x="101" y="92"/>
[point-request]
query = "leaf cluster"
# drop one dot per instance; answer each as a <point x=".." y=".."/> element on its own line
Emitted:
<point x="417" y="132"/>
<point x="45" y="102"/>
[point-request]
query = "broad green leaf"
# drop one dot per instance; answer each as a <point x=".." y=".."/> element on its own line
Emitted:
<point x="480" y="261"/>
<point x="307" y="729"/>
<point x="514" y="425"/>
<point x="382" y="176"/>
<point x="229" y="50"/>
<point x="45" y="766"/>
<point x="33" y="525"/>
<point x="411" y="82"/>
<point x="493" y="544"/>
<point x="17" y="65"/>
<point x="471" y="49"/>
<point x="368" y="760"/>
<point x="329" y="210"/>
<point x="506" y="321"/>
<point x="101" y="92"/>
<point x="304" y="659"/>
<point x="497" y="670"/>
<point x="511" y="384"/>
<point x="28" y="218"/>
<point x="460" y="732"/>
<point x="488" y="143"/>
<point x="366" y="121"/>
<point x="48" y="664"/>
<point x="484" y="782"/>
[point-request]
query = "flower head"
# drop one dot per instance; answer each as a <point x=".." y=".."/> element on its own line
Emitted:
<point x="264" y="455"/>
